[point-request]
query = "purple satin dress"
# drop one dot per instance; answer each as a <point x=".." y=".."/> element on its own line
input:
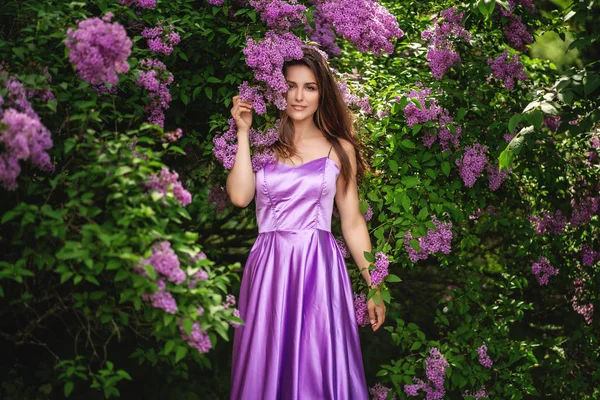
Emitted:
<point x="300" y="341"/>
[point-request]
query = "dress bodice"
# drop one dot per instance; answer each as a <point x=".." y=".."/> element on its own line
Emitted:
<point x="296" y="198"/>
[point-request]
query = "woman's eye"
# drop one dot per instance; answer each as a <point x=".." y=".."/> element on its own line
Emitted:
<point x="312" y="88"/>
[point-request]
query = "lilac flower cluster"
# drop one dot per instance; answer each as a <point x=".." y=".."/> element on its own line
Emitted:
<point x="266" y="59"/>
<point x="543" y="270"/>
<point x="480" y="394"/>
<point x="369" y="213"/>
<point x="360" y="309"/>
<point x="441" y="52"/>
<point x="173" y="136"/>
<point x="517" y="35"/>
<point x="218" y="197"/>
<point x="165" y="262"/>
<point x="352" y="98"/>
<point x="216" y="2"/>
<point x="430" y="110"/>
<point x="229" y="301"/>
<point x="589" y="256"/>
<point x="25" y="137"/>
<point x="280" y="14"/>
<point x="225" y="146"/>
<point x="235" y="313"/>
<point x="366" y="23"/>
<point x="343" y="247"/>
<point x="548" y="222"/>
<point x="527" y="4"/>
<point x="552" y="122"/>
<point x="132" y="146"/>
<point x="497" y="176"/>
<point x="583" y="309"/>
<point x="380" y="392"/>
<point x="139" y="3"/>
<point x="253" y="95"/>
<point x="166" y="180"/>
<point x="506" y="70"/>
<point x="200" y="276"/>
<point x="381" y="269"/>
<point x="472" y="163"/>
<point x="197" y="339"/>
<point x="435" y="370"/>
<point x="323" y="34"/>
<point x="99" y="49"/>
<point x="584" y="210"/>
<point x="484" y="358"/>
<point x="436" y="240"/>
<point x="161" y="40"/>
<point x="155" y="78"/>
<point x="164" y="300"/>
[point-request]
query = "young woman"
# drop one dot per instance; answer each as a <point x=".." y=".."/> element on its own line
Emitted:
<point x="300" y="340"/>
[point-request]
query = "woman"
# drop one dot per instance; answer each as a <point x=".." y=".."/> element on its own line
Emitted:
<point x="300" y="340"/>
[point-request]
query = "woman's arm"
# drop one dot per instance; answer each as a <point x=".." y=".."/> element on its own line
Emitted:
<point x="356" y="234"/>
<point x="241" y="179"/>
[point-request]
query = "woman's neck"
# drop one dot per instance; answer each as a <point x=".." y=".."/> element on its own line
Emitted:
<point x="305" y="129"/>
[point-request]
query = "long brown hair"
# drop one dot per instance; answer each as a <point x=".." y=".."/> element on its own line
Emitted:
<point x="333" y="117"/>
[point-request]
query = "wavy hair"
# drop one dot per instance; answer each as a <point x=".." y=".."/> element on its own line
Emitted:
<point x="333" y="117"/>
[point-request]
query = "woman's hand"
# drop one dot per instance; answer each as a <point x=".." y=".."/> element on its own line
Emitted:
<point x="376" y="312"/>
<point x="242" y="114"/>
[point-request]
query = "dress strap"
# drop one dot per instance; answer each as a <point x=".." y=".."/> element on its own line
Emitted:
<point x="329" y="151"/>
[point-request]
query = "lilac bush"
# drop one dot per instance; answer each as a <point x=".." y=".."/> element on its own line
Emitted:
<point x="436" y="240"/>
<point x="436" y="365"/>
<point x="99" y="50"/>
<point x="484" y="358"/>
<point x="167" y="181"/>
<point x="508" y="70"/>
<point x="155" y="78"/>
<point x="161" y="39"/>
<point x="360" y="309"/>
<point x="472" y="163"/>
<point x="543" y="270"/>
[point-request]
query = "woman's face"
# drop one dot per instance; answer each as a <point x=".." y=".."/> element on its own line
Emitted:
<point x="303" y="93"/>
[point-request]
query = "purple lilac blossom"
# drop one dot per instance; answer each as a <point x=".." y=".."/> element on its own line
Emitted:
<point x="173" y="136"/>
<point x="218" y="197"/>
<point x="280" y="14"/>
<point x="543" y="270"/>
<point x="430" y="110"/>
<point x="155" y="78"/>
<point x="351" y="98"/>
<point x="197" y="339"/>
<point x="497" y="176"/>
<point x="369" y="213"/>
<point x="548" y="222"/>
<point x="527" y="4"/>
<point x="484" y="358"/>
<point x="229" y="301"/>
<point x="480" y="394"/>
<point x="216" y="2"/>
<point x="380" y="392"/>
<point x="165" y="180"/>
<point x="139" y="3"/>
<point x="366" y="23"/>
<point x="235" y="313"/>
<point x="506" y="70"/>
<point x="323" y="34"/>
<point x="165" y="301"/>
<point x="584" y="210"/>
<point x="161" y="40"/>
<point x="381" y="269"/>
<point x="436" y="240"/>
<point x="253" y="95"/>
<point x="343" y="247"/>
<point x="517" y="35"/>
<point x="266" y="59"/>
<point x="584" y="309"/>
<point x="360" y="309"/>
<point x="99" y="49"/>
<point x="436" y="366"/>
<point x="165" y="262"/>
<point x="441" y="52"/>
<point x="225" y="145"/>
<point x="589" y="256"/>
<point x="25" y="138"/>
<point x="552" y="122"/>
<point x="472" y="163"/>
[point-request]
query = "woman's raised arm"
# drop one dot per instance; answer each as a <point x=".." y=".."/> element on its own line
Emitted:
<point x="241" y="178"/>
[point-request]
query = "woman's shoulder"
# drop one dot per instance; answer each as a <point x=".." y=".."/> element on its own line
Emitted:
<point x="347" y="146"/>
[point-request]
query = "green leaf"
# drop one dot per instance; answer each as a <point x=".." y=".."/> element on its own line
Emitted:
<point x="181" y="352"/>
<point x="68" y="388"/>
<point x="460" y="114"/>
<point x="369" y="257"/>
<point x="169" y="346"/>
<point x="209" y="92"/>
<point x="410" y="181"/>
<point x="446" y="168"/>
<point x="408" y="144"/>
<point x="416" y="346"/>
<point x="393" y="278"/>
<point x="486" y="7"/>
<point x="514" y="121"/>
<point x="590" y="83"/>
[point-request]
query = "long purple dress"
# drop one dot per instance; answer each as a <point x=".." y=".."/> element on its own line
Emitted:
<point x="300" y="341"/>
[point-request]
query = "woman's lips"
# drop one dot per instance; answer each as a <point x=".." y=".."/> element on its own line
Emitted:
<point x="298" y="108"/>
